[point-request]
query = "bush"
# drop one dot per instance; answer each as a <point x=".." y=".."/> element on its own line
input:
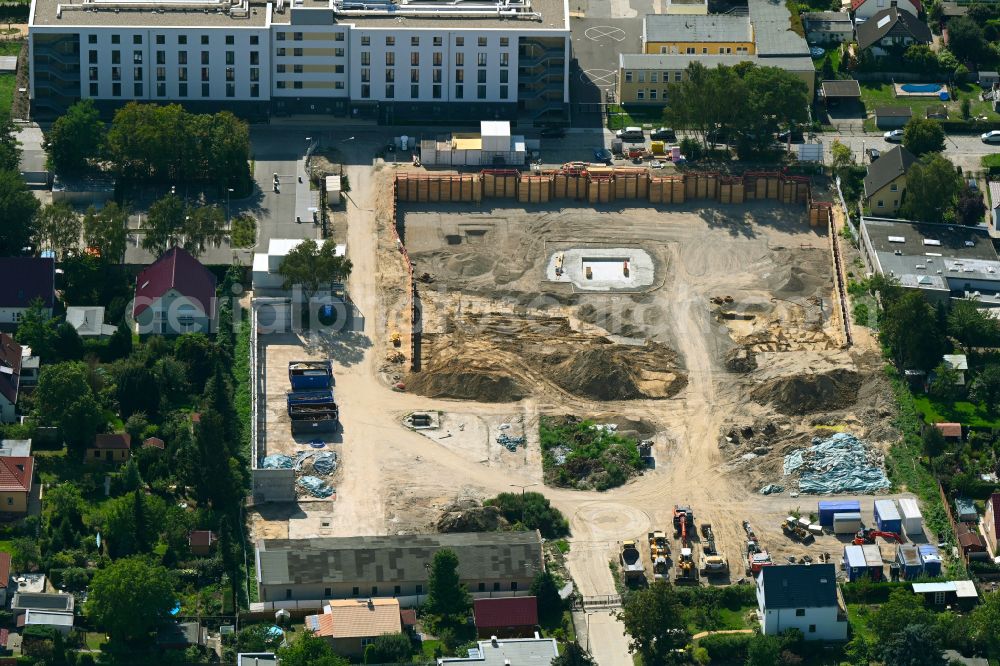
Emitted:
<point x="726" y="647"/>
<point x="244" y="231"/>
<point x="533" y="511"/>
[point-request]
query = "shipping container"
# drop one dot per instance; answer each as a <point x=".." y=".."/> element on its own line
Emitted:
<point x="846" y="523"/>
<point x="887" y="517"/>
<point x="931" y="559"/>
<point x="874" y="561"/>
<point x="829" y="507"/>
<point x="854" y="562"/>
<point x="908" y="558"/>
<point x="913" y="522"/>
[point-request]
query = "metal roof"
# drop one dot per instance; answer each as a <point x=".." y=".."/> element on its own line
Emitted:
<point x="893" y="112"/>
<point x="773" y="33"/>
<point x="697" y="28"/>
<point x="799" y="586"/>
<point x="512" y="651"/>
<point x="841" y="88"/>
<point x="927" y="588"/>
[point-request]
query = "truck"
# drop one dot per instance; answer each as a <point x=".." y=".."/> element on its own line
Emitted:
<point x="631" y="562"/>
<point x="757" y="558"/>
<point x="713" y="563"/>
<point x="320" y="397"/>
<point x="683" y="523"/>
<point x="687" y="570"/>
<point x="659" y="554"/>
<point x="310" y="375"/>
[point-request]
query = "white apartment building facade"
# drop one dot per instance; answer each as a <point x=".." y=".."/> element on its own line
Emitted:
<point x="397" y="60"/>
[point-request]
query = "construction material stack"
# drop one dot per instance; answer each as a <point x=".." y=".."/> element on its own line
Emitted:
<point x="311" y="405"/>
<point x="659" y="554"/>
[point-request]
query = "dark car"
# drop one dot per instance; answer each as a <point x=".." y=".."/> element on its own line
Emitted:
<point x="663" y="134"/>
<point x="603" y="155"/>
<point x="873" y="154"/>
<point x="553" y="132"/>
<point x="797" y="136"/>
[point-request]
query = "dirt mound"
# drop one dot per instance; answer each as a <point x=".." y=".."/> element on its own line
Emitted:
<point x="805" y="394"/>
<point x="461" y="382"/>
<point x="471" y="516"/>
<point x="620" y="372"/>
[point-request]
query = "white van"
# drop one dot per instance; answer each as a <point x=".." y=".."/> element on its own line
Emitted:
<point x="631" y="134"/>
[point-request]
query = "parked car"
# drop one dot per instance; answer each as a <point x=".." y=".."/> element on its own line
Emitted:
<point x="553" y="132"/>
<point x="993" y="136"/>
<point x="663" y="134"/>
<point x="797" y="136"/>
<point x="873" y="154"/>
<point x="893" y="136"/>
<point x="656" y="164"/>
<point x="603" y="155"/>
<point x="631" y="135"/>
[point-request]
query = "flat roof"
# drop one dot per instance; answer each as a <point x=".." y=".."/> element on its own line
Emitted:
<point x="697" y="28"/>
<point x="680" y="61"/>
<point x="553" y="15"/>
<point x="841" y="88"/>
<point x="167" y="15"/>
<point x="513" y="651"/>
<point x="773" y="32"/>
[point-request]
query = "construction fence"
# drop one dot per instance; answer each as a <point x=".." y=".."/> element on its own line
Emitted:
<point x="606" y="185"/>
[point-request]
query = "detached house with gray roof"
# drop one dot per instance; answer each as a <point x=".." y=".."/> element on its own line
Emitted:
<point x="803" y="597"/>
<point x="891" y="31"/>
<point x="885" y="183"/>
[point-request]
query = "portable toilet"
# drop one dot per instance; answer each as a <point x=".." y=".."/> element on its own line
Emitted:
<point x="908" y="558"/>
<point x="854" y="562"/>
<point x="829" y="507"/>
<point x="846" y="523"/>
<point x="931" y="559"/>
<point x="873" y="561"/>
<point x="913" y="521"/>
<point x="887" y="517"/>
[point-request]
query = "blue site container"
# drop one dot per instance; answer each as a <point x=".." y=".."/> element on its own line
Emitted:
<point x="887" y="516"/>
<point x="854" y="562"/>
<point x="910" y="564"/>
<point x="829" y="507"/>
<point x="310" y="375"/>
<point x="931" y="559"/>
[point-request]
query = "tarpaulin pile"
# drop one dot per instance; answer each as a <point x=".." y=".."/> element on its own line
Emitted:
<point x="838" y="464"/>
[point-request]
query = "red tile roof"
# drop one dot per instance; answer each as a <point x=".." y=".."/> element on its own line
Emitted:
<point x="969" y="539"/>
<point x="153" y="442"/>
<point x="25" y="279"/>
<point x="16" y="474"/>
<point x="10" y="367"/>
<point x="408" y="616"/>
<point x="201" y="538"/>
<point x="175" y="270"/>
<point x="4" y="571"/>
<point x="118" y="440"/>
<point x="506" y="612"/>
<point x="949" y="429"/>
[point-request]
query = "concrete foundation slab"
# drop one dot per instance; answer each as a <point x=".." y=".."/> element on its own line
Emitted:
<point x="602" y="269"/>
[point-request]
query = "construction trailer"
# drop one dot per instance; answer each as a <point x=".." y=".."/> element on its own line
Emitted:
<point x="887" y="516"/>
<point x="913" y="521"/>
<point x="827" y="509"/>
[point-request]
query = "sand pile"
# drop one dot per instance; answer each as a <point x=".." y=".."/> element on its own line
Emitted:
<point x="457" y="379"/>
<point x="620" y="372"/>
<point x="808" y="393"/>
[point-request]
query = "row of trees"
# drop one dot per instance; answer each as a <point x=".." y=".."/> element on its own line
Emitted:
<point x="744" y="101"/>
<point x="152" y="142"/>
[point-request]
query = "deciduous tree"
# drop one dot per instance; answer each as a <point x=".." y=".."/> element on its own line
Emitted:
<point x="653" y="618"/>
<point x="913" y="645"/>
<point x="970" y="208"/>
<point x="446" y="595"/>
<point x="309" y="650"/>
<point x="57" y="227"/>
<point x="985" y="387"/>
<point x="923" y="135"/>
<point x="311" y="266"/>
<point x="131" y="597"/>
<point x="75" y="137"/>
<point x="966" y="40"/>
<point x="106" y="231"/>
<point x="18" y="207"/>
<point x="573" y="655"/>
<point x="64" y="399"/>
<point x="931" y="187"/>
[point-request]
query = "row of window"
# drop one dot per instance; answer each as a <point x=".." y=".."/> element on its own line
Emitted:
<point x="390" y="91"/>
<point x="437" y="59"/>
<point x="297" y="85"/>
<point x="652" y="94"/>
<point x="705" y="50"/>
<point x="337" y="53"/>
<point x="653" y="76"/>
<point x="398" y="590"/>
<point x="297" y="36"/>
<point x="160" y="90"/>
<point x="297" y="69"/>
<point x="181" y="39"/>
<point x="389" y="75"/>
<point x="161" y="57"/>
<point x="390" y="40"/>
<point x="161" y="74"/>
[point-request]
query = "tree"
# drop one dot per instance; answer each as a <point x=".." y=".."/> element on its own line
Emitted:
<point x="966" y="40"/>
<point x="257" y="638"/>
<point x="202" y="226"/>
<point x="446" y="595"/>
<point x="763" y="650"/>
<point x="311" y="266"/>
<point x="913" y="645"/>
<point x="903" y="608"/>
<point x="137" y="389"/>
<point x="923" y="135"/>
<point x="26" y="554"/>
<point x="130" y="597"/>
<point x="533" y="511"/>
<point x="843" y="158"/>
<point x="57" y="227"/>
<point x="911" y="332"/>
<point x="389" y="649"/>
<point x="164" y="224"/>
<point x="970" y="209"/>
<point x="38" y="331"/>
<point x="943" y="385"/>
<point x="17" y="210"/>
<point x="10" y="147"/>
<point x="932" y="441"/>
<point x="106" y="230"/>
<point x="653" y="618"/>
<point x="74" y="138"/>
<point x="64" y="399"/>
<point x="309" y="650"/>
<point x="546" y="591"/>
<point x="970" y="326"/>
<point x="984" y="621"/>
<point x="985" y="388"/>
<point x="931" y="187"/>
<point x="68" y="342"/>
<point x="573" y="655"/>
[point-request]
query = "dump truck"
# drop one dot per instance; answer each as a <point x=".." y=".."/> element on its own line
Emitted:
<point x="687" y="570"/>
<point x="713" y="563"/>
<point x="757" y="558"/>
<point x="631" y="562"/>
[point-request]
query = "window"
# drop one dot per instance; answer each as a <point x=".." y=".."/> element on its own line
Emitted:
<point x="182" y="74"/>
<point x="355" y="591"/>
<point x="366" y="91"/>
<point x="204" y="57"/>
<point x="482" y="60"/>
<point x="230" y="57"/>
<point x="504" y="75"/>
<point x="116" y="57"/>
<point x="182" y="39"/>
<point x="93" y="74"/>
<point x="255" y="73"/>
<point x="880" y="204"/>
<point x="204" y="40"/>
<point x="204" y="73"/>
<point x="436" y="59"/>
<point x="161" y="57"/>
<point x="481" y="76"/>
<point x="414" y="76"/>
<point x="641" y="94"/>
<point x="93" y="93"/>
<point x="366" y="58"/>
<point x="254" y="40"/>
<point x="505" y="41"/>
<point x="338" y="37"/>
<point x="137" y="89"/>
<point x="496" y="587"/>
<point x="390" y="91"/>
<point x="288" y="593"/>
<point x="137" y="39"/>
<point x="704" y="50"/>
<point x="436" y="91"/>
<point x="460" y="41"/>
<point x="481" y="92"/>
<point x="503" y="59"/>
<point x="414" y="91"/>
<point x="281" y="68"/>
<point x="894" y="187"/>
<point x="255" y="90"/>
<point x="91" y="39"/>
<point x="161" y="89"/>
<point x="230" y="90"/>
<point x="678" y="75"/>
<point x="374" y="590"/>
<point x="414" y="41"/>
<point x="628" y="76"/>
<point x="459" y="59"/>
<point x="137" y="57"/>
<point x="297" y="52"/>
<point x="397" y="590"/>
<point x="297" y="85"/>
<point x="161" y="73"/>
<point x="482" y="41"/>
<point x="280" y="36"/>
<point x="327" y="592"/>
<point x="297" y="36"/>
<point x="420" y="589"/>
<point x="690" y="50"/>
<point x="503" y="92"/>
<point x="338" y="53"/>
<point x="366" y="75"/>
<point x="182" y="90"/>
<point x="459" y="91"/>
<point x="182" y="58"/>
<point x="653" y="76"/>
<point x="255" y="57"/>
<point x="459" y="76"/>
<point x="415" y="58"/>
<point x="482" y="587"/>
<point x="438" y="41"/>
<point x="800" y="612"/>
<point x="116" y="73"/>
<point x="390" y="59"/>
<point x="390" y="41"/>
<point x="513" y="586"/>
<point x="205" y="90"/>
<point x="230" y="40"/>
<point x="652" y="94"/>
<point x="97" y="454"/>
<point x="366" y="41"/>
<point x="390" y="75"/>
<point x="297" y="69"/>
<point x="230" y="73"/>
<point x="281" y="85"/>
<point x="812" y="628"/>
<point x="436" y="76"/>
<point x="338" y="85"/>
<point x="642" y="76"/>
<point x="116" y="39"/>
<point x="365" y="642"/>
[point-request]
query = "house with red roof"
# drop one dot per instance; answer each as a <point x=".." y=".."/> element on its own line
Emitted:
<point x="5" y="561"/>
<point x="952" y="432"/>
<point x="991" y="523"/>
<point x="506" y="617"/>
<point x="112" y="448"/>
<point x="25" y="280"/>
<point x="10" y="377"/>
<point x="201" y="541"/>
<point x="174" y="295"/>
<point x="865" y="9"/>
<point x="16" y="475"/>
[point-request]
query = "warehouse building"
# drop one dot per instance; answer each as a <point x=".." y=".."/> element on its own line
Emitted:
<point x="393" y="60"/>
<point x="393" y="566"/>
<point x="942" y="260"/>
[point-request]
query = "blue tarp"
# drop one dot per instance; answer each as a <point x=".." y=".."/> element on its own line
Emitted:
<point x="841" y="463"/>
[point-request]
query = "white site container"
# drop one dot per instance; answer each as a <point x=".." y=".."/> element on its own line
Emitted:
<point x="913" y="521"/>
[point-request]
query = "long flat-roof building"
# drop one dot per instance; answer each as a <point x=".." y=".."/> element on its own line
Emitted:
<point x="397" y="60"/>
<point x="942" y="260"/>
<point x="393" y="566"/>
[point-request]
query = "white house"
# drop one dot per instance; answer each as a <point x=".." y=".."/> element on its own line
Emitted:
<point x="267" y="281"/>
<point x="803" y="597"/>
<point x="10" y="377"/>
<point x="865" y="9"/>
<point x="88" y="320"/>
<point x="174" y="295"/>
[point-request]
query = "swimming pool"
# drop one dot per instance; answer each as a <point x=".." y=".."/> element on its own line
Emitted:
<point x="922" y="87"/>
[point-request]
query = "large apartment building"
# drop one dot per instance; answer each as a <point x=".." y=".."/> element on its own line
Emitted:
<point x="395" y="59"/>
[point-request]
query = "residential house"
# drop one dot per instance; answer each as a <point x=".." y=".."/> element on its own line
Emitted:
<point x="508" y="652"/>
<point x="59" y="602"/>
<point x="885" y="182"/>
<point x="201" y="541"/>
<point x="25" y="280"/>
<point x="828" y="27"/>
<point x="867" y="9"/>
<point x="372" y="566"/>
<point x="510" y="617"/>
<point x="892" y="117"/>
<point x="959" y="363"/>
<point x="960" y="593"/>
<point x="256" y="659"/>
<point x="803" y="597"/>
<point x="970" y="541"/>
<point x="350" y="625"/>
<point x="16" y="477"/>
<point x="952" y="432"/>
<point x="713" y="34"/>
<point x="891" y="31"/>
<point x="991" y="524"/>
<point x="174" y="295"/>
<point x="89" y="321"/>
<point x="30" y="367"/>
<point x="114" y="448"/>
<point x="180" y="635"/>
<point x="5" y="579"/>
<point x="10" y="377"/>
<point x="58" y="620"/>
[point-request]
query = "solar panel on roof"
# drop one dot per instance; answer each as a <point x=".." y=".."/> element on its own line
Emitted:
<point x="897" y="239"/>
<point x="883" y="21"/>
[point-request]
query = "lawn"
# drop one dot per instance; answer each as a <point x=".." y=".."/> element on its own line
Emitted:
<point x="857" y="616"/>
<point x="7" y="84"/>
<point x="834" y="54"/>
<point x="621" y="116"/>
<point x="427" y="651"/>
<point x="94" y="639"/>
<point x="10" y="48"/>
<point x="961" y="411"/>
<point x="875" y="95"/>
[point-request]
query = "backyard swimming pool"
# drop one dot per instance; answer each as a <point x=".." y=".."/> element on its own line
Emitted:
<point x="922" y="87"/>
